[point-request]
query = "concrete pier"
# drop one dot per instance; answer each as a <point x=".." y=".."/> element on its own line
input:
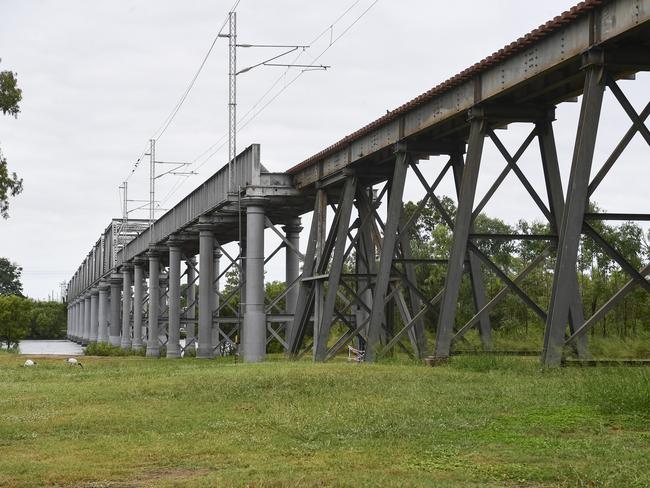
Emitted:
<point x="153" y="345"/>
<point x="254" y="326"/>
<point x="102" y="334"/>
<point x="138" y="298"/>
<point x="86" y="331"/>
<point x="190" y="312"/>
<point x="206" y="270"/>
<point x="94" y="315"/>
<point x="115" y="319"/>
<point x="127" y="271"/>
<point x="174" y="299"/>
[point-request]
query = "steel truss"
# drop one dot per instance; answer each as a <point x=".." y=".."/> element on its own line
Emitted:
<point x="333" y="294"/>
<point x="575" y="221"/>
<point x="382" y="284"/>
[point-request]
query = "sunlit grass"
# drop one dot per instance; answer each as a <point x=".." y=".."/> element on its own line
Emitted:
<point x="476" y="421"/>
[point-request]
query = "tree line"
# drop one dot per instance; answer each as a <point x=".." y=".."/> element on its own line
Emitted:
<point x="599" y="277"/>
<point x="25" y="318"/>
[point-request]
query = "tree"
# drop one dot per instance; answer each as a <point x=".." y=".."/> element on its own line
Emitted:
<point x="10" y="97"/>
<point x="14" y="317"/>
<point x="10" y="278"/>
<point x="47" y="321"/>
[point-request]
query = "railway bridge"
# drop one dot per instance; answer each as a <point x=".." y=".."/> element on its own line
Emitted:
<point x="356" y="282"/>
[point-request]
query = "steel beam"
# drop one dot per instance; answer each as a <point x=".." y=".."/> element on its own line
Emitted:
<point x="338" y="236"/>
<point x="216" y="300"/>
<point x="305" y="301"/>
<point x="387" y="254"/>
<point x="475" y="272"/>
<point x="292" y="268"/>
<point x="190" y="298"/>
<point x="555" y="195"/>
<point x="461" y="233"/>
<point x="416" y="332"/>
<point x="573" y="217"/>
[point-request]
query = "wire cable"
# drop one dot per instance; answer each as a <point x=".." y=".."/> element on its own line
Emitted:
<point x="161" y="130"/>
<point x="168" y="120"/>
<point x="245" y="122"/>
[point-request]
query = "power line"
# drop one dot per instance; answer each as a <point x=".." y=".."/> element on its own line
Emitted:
<point x="167" y="122"/>
<point x="243" y="122"/>
<point x="161" y="130"/>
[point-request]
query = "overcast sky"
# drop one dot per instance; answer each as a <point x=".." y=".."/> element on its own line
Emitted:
<point x="99" y="78"/>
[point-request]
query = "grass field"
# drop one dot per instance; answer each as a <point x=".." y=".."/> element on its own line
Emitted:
<point x="478" y="421"/>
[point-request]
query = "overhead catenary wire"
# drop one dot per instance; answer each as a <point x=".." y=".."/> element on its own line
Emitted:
<point x="244" y="121"/>
<point x="168" y="120"/>
<point x="161" y="130"/>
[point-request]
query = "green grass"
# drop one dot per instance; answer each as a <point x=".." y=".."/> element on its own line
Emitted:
<point x="477" y="421"/>
<point x="610" y="347"/>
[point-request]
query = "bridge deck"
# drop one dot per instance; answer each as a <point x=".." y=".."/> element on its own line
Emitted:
<point x="542" y="68"/>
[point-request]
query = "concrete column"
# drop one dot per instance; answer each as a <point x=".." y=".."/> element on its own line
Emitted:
<point x="138" y="297"/>
<point x="94" y="315"/>
<point x="102" y="334"/>
<point x="86" y="329"/>
<point x="241" y="309"/>
<point x="254" y="326"/>
<point x="292" y="271"/>
<point x="162" y="305"/>
<point x="206" y="264"/>
<point x="215" y="300"/>
<point x="242" y="263"/>
<point x="116" y="322"/>
<point x="190" y="314"/>
<point x="80" y="326"/>
<point x="75" y="321"/>
<point x="153" y="346"/>
<point x="292" y="263"/>
<point x="68" y="322"/>
<point x="80" y="318"/>
<point x="174" y="298"/>
<point x="127" y="271"/>
<point x="71" y="310"/>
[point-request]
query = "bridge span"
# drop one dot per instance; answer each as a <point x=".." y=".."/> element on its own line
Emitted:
<point x="359" y="274"/>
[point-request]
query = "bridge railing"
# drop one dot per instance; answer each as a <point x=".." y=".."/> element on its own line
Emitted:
<point x="209" y="196"/>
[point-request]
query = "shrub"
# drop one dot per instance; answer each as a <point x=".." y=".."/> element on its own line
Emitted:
<point x="105" y="349"/>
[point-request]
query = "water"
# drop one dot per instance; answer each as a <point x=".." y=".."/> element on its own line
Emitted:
<point x="62" y="347"/>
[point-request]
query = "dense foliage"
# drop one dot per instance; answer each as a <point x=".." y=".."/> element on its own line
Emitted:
<point x="10" y="97"/>
<point x="24" y="318"/>
<point x="599" y="276"/>
<point x="10" y="278"/>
